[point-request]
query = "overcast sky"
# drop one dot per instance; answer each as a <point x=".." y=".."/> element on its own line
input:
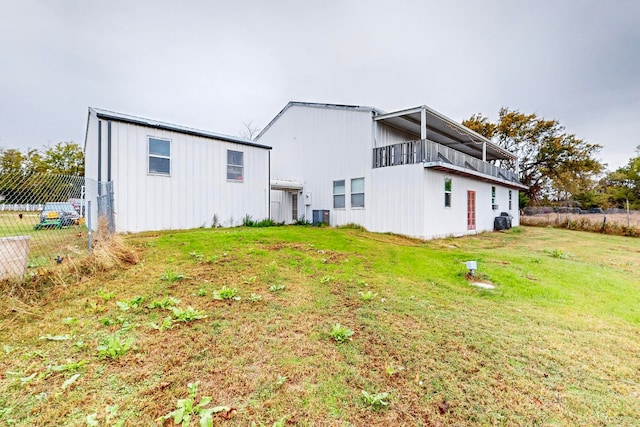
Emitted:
<point x="213" y="65"/>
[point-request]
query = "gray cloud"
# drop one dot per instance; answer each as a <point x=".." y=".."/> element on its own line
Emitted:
<point x="213" y="65"/>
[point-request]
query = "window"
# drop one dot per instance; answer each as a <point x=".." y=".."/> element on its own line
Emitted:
<point x="493" y="199"/>
<point x="338" y="194"/>
<point x="235" y="165"/>
<point x="294" y="206"/>
<point x="357" y="193"/>
<point x="510" y="199"/>
<point x="159" y="156"/>
<point x="447" y="192"/>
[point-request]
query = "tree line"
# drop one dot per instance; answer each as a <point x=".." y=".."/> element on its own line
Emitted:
<point x="41" y="175"/>
<point x="559" y="168"/>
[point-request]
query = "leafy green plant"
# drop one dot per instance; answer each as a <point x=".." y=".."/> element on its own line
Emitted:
<point x="225" y="293"/>
<point x="556" y="253"/>
<point x="375" y="401"/>
<point x="187" y="314"/>
<point x="68" y="367"/>
<point x="70" y="321"/>
<point x="186" y="409"/>
<point x="171" y="276"/>
<point x="201" y="292"/>
<point x="112" y="347"/>
<point x="107" y="296"/>
<point x="326" y="279"/>
<point x="255" y="297"/>
<point x="197" y="255"/>
<point x="123" y="305"/>
<point x="167" y="323"/>
<point x="133" y="303"/>
<point x="277" y="288"/>
<point x="280" y="422"/>
<point x="301" y="221"/>
<point x="340" y="333"/>
<point x="367" y="296"/>
<point x="164" y="303"/>
<point x="111" y="413"/>
<point x="215" y="221"/>
<point x="248" y="221"/>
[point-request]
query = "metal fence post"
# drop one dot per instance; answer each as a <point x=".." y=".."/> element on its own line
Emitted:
<point x="90" y="232"/>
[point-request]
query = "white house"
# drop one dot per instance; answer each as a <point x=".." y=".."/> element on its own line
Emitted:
<point x="413" y="172"/>
<point x="167" y="176"/>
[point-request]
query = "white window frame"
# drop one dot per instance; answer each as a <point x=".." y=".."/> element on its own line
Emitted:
<point x="151" y="155"/>
<point x="447" y="200"/>
<point x="340" y="196"/>
<point x="235" y="166"/>
<point x="494" y="191"/>
<point x="354" y="205"/>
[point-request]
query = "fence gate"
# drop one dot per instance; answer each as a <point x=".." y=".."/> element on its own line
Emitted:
<point x="105" y="204"/>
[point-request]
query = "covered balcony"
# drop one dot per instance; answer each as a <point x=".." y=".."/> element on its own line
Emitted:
<point x="422" y="135"/>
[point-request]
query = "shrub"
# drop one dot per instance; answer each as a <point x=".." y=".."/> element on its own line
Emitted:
<point x="340" y="333"/>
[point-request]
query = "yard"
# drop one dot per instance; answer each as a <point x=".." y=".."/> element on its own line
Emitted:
<point x="47" y="243"/>
<point x="335" y="327"/>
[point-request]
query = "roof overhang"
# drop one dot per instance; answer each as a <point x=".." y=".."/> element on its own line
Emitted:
<point x="470" y="173"/>
<point x="426" y="123"/>
<point x="286" y="185"/>
<point x="140" y="121"/>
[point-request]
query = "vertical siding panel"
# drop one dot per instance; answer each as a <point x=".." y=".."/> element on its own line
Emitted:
<point x="196" y="189"/>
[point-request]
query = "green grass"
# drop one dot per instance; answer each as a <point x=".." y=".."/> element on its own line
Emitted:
<point x="47" y="243"/>
<point x="555" y="343"/>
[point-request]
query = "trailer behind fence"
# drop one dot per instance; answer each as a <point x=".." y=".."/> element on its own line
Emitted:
<point x="46" y="218"/>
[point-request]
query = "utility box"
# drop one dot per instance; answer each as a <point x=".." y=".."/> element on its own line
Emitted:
<point x="14" y="254"/>
<point x="501" y="223"/>
<point x="321" y="217"/>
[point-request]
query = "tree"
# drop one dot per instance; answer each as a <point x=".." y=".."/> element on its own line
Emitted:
<point x="250" y="131"/>
<point x="552" y="163"/>
<point x="38" y="177"/>
<point x="11" y="161"/>
<point x="64" y="158"/>
<point x="624" y="184"/>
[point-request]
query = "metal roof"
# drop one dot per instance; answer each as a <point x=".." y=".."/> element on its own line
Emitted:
<point x="318" y="105"/>
<point x="445" y="131"/>
<point x="126" y="118"/>
<point x="440" y="128"/>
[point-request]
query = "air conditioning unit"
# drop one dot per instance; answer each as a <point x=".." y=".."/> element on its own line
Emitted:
<point x="494" y="207"/>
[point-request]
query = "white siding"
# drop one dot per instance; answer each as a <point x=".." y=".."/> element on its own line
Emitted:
<point x="197" y="188"/>
<point x="441" y="221"/>
<point x="316" y="146"/>
<point x="398" y="200"/>
<point x="386" y="135"/>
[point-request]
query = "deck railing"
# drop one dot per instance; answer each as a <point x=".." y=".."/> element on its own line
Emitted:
<point x="425" y="151"/>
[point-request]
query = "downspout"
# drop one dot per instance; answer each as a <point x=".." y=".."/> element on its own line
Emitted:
<point x="109" y="151"/>
<point x="423" y="123"/>
<point x="99" y="155"/>
<point x="269" y="185"/>
<point x="484" y="151"/>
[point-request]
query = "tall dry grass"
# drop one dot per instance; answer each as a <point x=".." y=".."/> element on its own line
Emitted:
<point x="23" y="296"/>
<point x="613" y="224"/>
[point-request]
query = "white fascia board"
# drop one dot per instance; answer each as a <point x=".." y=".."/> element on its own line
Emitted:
<point x="469" y="172"/>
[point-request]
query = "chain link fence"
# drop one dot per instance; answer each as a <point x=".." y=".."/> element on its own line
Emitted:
<point x="46" y="218"/>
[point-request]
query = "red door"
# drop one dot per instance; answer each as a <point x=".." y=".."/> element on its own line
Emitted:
<point x="471" y="210"/>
